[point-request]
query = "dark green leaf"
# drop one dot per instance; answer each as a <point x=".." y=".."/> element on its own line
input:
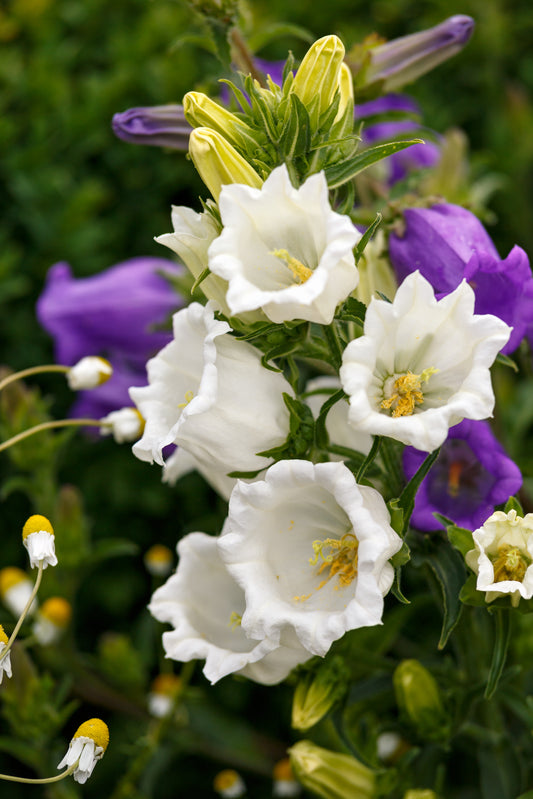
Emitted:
<point x="449" y="569"/>
<point x="406" y="500"/>
<point x="514" y="504"/>
<point x="502" y="635"/>
<point x="506" y="361"/>
<point x="346" y="170"/>
<point x="369" y="458"/>
<point x="369" y="232"/>
<point x="321" y="435"/>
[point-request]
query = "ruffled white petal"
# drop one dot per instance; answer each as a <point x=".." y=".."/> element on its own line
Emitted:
<point x="41" y="547"/>
<point x="5" y="663"/>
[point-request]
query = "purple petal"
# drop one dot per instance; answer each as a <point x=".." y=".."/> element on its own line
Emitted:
<point x="157" y="125"/>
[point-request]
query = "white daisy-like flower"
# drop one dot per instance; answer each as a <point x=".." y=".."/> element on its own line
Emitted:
<point x="124" y="425"/>
<point x="38" y="538"/>
<point x="503" y="556"/>
<point x="422" y="365"/>
<point x="284" y="250"/>
<point x="210" y="394"/>
<point x="162" y="695"/>
<point x="52" y="620"/>
<point x="88" y="747"/>
<point x="310" y="549"/>
<point x="15" y="590"/>
<point x="229" y="784"/>
<point x="205" y="606"/>
<point x="5" y="661"/>
<point x="89" y="372"/>
<point x="339" y="430"/>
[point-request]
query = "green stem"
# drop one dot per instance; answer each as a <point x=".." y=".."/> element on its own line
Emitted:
<point x="244" y="58"/>
<point x="335" y="346"/>
<point x="24" y="613"/>
<point x="44" y="780"/>
<point x="33" y="370"/>
<point x="39" y="428"/>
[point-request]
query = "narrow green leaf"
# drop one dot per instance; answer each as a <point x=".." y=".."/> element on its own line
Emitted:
<point x="369" y="458"/>
<point x="514" y="504"/>
<point x="502" y="635"/>
<point x="396" y="589"/>
<point x="369" y="232"/>
<point x="506" y="361"/>
<point x="346" y="170"/>
<point x="200" y="279"/>
<point x="459" y="537"/>
<point x="407" y="497"/>
<point x="321" y="435"/>
<point x="449" y="569"/>
<point x="245" y="475"/>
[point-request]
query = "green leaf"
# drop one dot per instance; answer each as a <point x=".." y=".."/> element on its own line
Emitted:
<point x="321" y="434"/>
<point x="406" y="500"/>
<point x="449" y="569"/>
<point x="346" y="170"/>
<point x="502" y="635"/>
<point x="506" y="361"/>
<point x="396" y="590"/>
<point x="402" y="557"/>
<point x="369" y="232"/>
<point x="369" y="458"/>
<point x="200" y="279"/>
<point x="513" y="504"/>
<point x="470" y="595"/>
<point x="352" y="310"/>
<point x="295" y="137"/>
<point x="459" y="537"/>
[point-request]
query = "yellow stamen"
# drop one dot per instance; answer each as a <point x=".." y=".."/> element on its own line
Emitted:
<point x="300" y="272"/>
<point x="95" y="729"/>
<point x="407" y="393"/>
<point x="235" y="620"/>
<point x="301" y="598"/>
<point x="510" y="564"/>
<point x="189" y="395"/>
<point x="37" y="524"/>
<point x="341" y="560"/>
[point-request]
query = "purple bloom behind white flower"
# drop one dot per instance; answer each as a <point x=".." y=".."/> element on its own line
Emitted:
<point x="157" y="125"/>
<point x="471" y="475"/>
<point x="446" y="244"/>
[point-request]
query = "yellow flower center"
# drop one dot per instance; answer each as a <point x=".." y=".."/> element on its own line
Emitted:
<point x="235" y="620"/>
<point x="57" y="610"/>
<point x="3" y="637"/>
<point x="166" y="684"/>
<point x="454" y="475"/>
<point x="95" y="729"/>
<point x="406" y="393"/>
<point x="37" y="524"/>
<point x="300" y="272"/>
<point x="339" y="556"/>
<point x="11" y="576"/>
<point x="510" y="564"/>
<point x="226" y="779"/>
<point x="283" y="771"/>
<point x="159" y="554"/>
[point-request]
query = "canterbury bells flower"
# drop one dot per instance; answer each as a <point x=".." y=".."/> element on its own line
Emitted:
<point x="422" y="365"/>
<point x="205" y="606"/>
<point x="88" y="746"/>
<point x="310" y="548"/>
<point x="503" y="557"/>
<point x="284" y="250"/>
<point x="38" y="538"/>
<point x="210" y="395"/>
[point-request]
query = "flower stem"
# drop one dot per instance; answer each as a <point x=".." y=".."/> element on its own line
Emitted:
<point x="369" y="458"/>
<point x="39" y="428"/>
<point x="334" y="342"/>
<point x="44" y="780"/>
<point x="244" y="58"/>
<point x="33" y="370"/>
<point x="24" y="613"/>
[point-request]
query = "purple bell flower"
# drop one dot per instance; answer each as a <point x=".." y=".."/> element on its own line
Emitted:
<point x="157" y="125"/>
<point x="419" y="156"/>
<point x="447" y="244"/>
<point x="116" y="314"/>
<point x="471" y="475"/>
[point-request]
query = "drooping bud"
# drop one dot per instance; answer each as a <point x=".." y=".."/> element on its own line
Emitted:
<point x="218" y="163"/>
<point x="319" y="73"/>
<point x="15" y="590"/>
<point x="419" y="699"/>
<point x="316" y="693"/>
<point x="124" y="425"/>
<point x="330" y="774"/>
<point x="158" y="560"/>
<point x="52" y="620"/>
<point x="5" y="661"/>
<point x="163" y="693"/>
<point x="39" y="539"/>
<point x="89" y="372"/>
<point x="158" y="125"/>
<point x="86" y="748"/>
<point x="201" y="111"/>
<point x="229" y="784"/>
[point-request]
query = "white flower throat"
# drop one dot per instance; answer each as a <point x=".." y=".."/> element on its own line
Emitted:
<point x="301" y="273"/>
<point x="403" y="392"/>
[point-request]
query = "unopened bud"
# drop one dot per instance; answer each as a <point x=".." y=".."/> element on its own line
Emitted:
<point x="319" y="73"/>
<point x="157" y="125"/>
<point x="330" y="774"/>
<point x="229" y="784"/>
<point x="201" y="111"/>
<point x="284" y="781"/>
<point x="124" y="425"/>
<point x="159" y="560"/>
<point x="89" y="372"/>
<point x="218" y="163"/>
<point x="420" y="794"/>
<point x="316" y="693"/>
<point x="418" y="697"/>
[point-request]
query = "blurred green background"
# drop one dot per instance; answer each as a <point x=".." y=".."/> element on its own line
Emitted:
<point x="71" y="191"/>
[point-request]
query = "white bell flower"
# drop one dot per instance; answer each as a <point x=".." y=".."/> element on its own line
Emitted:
<point x="310" y="548"/>
<point x="210" y="394"/>
<point x="339" y="430"/>
<point x="205" y="605"/>
<point x="503" y="556"/>
<point x="422" y="365"/>
<point x="284" y="250"/>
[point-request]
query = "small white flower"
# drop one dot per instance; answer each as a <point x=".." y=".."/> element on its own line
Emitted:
<point x="15" y="590"/>
<point x="210" y="394"/>
<point x="229" y="784"/>
<point x="284" y="250"/>
<point x="159" y="560"/>
<point x="205" y="605"/>
<point x="503" y="557"/>
<point x="124" y="425"/>
<point x="310" y="548"/>
<point x="162" y="696"/>
<point x="90" y="372"/>
<point x="51" y="620"/>
<point x="422" y="365"/>
<point x="88" y="746"/>
<point x="38" y="538"/>
<point x="5" y="662"/>
<point x="339" y="430"/>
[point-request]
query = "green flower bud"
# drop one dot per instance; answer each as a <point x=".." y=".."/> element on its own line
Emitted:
<point x="319" y="73"/>
<point x="331" y="774"/>
<point x="218" y="163"/>
<point x="418" y="697"/>
<point x="316" y="693"/>
<point x="420" y="794"/>
<point x="201" y="111"/>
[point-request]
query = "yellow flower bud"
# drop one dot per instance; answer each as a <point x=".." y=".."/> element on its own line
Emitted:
<point x="36" y="524"/>
<point x="316" y="694"/>
<point x="96" y="730"/>
<point x="201" y="111"/>
<point x="319" y="73"/>
<point x="218" y="163"/>
<point x="345" y="89"/>
<point x="422" y="794"/>
<point x="418" y="697"/>
<point x="331" y="774"/>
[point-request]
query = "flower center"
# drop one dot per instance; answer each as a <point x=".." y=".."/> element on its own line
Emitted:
<point x="189" y="395"/>
<point x="404" y="392"/>
<point x="510" y="564"/>
<point x="300" y="272"/>
<point x="235" y="620"/>
<point x="339" y="556"/>
<point x="454" y="475"/>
